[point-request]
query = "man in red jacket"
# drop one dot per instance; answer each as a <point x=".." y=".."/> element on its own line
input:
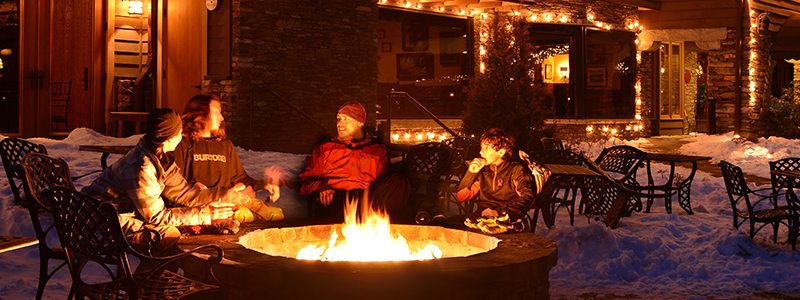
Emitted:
<point x="350" y="163"/>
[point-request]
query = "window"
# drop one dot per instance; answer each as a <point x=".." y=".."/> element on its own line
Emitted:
<point x="595" y="83"/>
<point x="610" y="74"/>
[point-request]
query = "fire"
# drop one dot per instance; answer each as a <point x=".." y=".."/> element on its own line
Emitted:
<point x="367" y="239"/>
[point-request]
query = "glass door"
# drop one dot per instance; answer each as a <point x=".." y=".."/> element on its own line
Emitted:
<point x="670" y="87"/>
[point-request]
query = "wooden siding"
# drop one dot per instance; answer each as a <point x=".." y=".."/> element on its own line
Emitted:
<point x="683" y="14"/>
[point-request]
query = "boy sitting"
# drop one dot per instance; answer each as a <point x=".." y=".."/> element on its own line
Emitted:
<point x="504" y="186"/>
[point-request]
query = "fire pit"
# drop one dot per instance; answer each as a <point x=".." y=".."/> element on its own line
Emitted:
<point x="474" y="266"/>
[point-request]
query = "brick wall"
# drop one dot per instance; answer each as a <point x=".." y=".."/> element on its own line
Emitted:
<point x="315" y="54"/>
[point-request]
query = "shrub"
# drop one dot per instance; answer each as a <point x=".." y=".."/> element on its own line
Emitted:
<point x="503" y="96"/>
<point x="784" y="114"/>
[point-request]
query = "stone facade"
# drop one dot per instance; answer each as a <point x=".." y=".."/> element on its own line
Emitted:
<point x="316" y="55"/>
<point x="755" y="97"/>
<point x="721" y="76"/>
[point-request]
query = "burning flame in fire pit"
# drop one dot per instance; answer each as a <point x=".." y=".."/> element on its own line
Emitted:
<point x="367" y="239"/>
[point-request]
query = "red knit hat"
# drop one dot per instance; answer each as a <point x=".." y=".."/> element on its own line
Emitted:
<point x="354" y="110"/>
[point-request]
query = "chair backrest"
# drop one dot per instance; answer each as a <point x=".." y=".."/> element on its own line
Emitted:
<point x="42" y="172"/>
<point x="12" y="151"/>
<point x="549" y="143"/>
<point x="557" y="156"/>
<point x="426" y="162"/>
<point x="464" y="149"/>
<point x="88" y="229"/>
<point x="786" y="164"/>
<point x="59" y="93"/>
<point x="736" y="185"/>
<point x="623" y="160"/>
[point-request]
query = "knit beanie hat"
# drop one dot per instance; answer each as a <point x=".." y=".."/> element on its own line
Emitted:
<point x="162" y="124"/>
<point x="354" y="110"/>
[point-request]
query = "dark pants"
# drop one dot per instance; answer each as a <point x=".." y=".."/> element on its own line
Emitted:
<point x="389" y="193"/>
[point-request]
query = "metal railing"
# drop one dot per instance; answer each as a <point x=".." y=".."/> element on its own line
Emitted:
<point x="386" y="137"/>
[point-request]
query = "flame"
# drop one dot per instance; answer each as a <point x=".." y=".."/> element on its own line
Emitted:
<point x="367" y="239"/>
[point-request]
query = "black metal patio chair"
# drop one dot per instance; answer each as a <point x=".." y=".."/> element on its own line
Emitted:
<point x="762" y="208"/>
<point x="90" y="231"/>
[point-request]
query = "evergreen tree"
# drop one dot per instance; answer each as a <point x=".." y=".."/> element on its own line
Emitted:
<point x="503" y="95"/>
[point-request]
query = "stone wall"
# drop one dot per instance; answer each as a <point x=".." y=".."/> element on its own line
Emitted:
<point x="316" y="55"/>
<point x="757" y="93"/>
<point x="721" y="76"/>
<point x="690" y="65"/>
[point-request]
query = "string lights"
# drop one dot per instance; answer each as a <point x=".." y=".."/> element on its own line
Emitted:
<point x="534" y="15"/>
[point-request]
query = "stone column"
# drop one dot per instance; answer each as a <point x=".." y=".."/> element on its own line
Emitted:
<point x="796" y="63"/>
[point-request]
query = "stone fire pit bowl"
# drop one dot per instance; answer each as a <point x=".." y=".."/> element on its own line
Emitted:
<point x="517" y="268"/>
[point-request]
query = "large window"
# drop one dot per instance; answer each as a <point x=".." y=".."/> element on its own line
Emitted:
<point x="425" y="56"/>
<point x="610" y="74"/>
<point x="590" y="74"/>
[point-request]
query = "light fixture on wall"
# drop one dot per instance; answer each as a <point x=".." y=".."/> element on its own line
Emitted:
<point x="135" y="7"/>
<point x="564" y="71"/>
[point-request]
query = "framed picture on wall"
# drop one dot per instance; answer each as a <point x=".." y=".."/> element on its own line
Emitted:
<point x="381" y="34"/>
<point x="413" y="66"/>
<point x="415" y="37"/>
<point x="548" y="72"/>
<point x="386" y="47"/>
<point x="596" y="76"/>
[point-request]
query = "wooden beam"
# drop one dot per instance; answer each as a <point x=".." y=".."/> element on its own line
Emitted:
<point x="461" y="2"/>
<point x="772" y="9"/>
<point x="486" y="4"/>
<point x="649" y="4"/>
<point x="793" y="6"/>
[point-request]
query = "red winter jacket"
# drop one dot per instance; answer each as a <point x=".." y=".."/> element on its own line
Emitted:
<point x="341" y="165"/>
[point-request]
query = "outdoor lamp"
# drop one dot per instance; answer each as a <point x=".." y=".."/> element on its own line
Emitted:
<point x="135" y="7"/>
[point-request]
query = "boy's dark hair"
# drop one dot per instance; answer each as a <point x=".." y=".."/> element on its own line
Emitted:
<point x="499" y="139"/>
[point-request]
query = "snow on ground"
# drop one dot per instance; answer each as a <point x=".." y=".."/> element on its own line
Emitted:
<point x="651" y="255"/>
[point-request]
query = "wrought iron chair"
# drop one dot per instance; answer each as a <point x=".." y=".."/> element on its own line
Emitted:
<point x="622" y="162"/>
<point x="424" y="165"/>
<point x="743" y="207"/>
<point x="41" y="172"/>
<point x="549" y="143"/>
<point x="464" y="149"/>
<point x="89" y="230"/>
<point x="564" y="192"/>
<point x="12" y="151"/>
<point x="780" y="182"/>
<point x="59" y="101"/>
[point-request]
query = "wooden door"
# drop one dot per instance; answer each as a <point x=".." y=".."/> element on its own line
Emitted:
<point x="57" y="43"/>
<point x="71" y="58"/>
<point x="183" y="29"/>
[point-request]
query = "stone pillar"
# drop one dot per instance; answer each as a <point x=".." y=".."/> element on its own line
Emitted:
<point x="796" y="63"/>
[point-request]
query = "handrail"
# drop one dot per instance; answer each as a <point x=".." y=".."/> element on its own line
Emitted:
<point x="418" y="105"/>
<point x="302" y="113"/>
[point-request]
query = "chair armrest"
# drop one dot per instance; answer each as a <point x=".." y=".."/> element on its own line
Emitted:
<point x="154" y="241"/>
<point x="164" y="260"/>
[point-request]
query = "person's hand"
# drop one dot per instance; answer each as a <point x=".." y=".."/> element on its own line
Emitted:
<point x="326" y="196"/>
<point x="274" y="191"/>
<point x="489" y="213"/>
<point x="236" y="195"/>
<point x="476" y="165"/>
<point x="248" y="190"/>
<point x="221" y="212"/>
<point x="200" y="185"/>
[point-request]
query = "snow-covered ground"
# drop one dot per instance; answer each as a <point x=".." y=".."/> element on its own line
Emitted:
<point x="651" y="256"/>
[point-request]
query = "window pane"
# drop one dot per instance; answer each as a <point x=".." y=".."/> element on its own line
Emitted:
<point x="610" y="74"/>
<point x="551" y="55"/>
